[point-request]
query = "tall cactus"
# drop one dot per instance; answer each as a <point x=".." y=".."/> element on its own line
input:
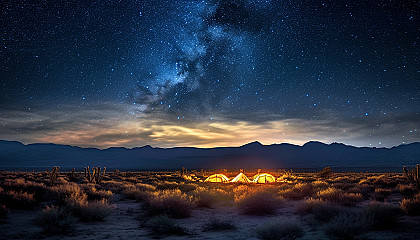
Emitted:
<point x="95" y="176"/>
<point x="413" y="175"/>
<point x="53" y="174"/>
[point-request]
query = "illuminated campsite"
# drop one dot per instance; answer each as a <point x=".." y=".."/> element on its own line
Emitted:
<point x="209" y="204"/>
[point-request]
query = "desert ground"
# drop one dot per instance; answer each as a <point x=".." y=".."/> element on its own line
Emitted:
<point x="180" y="205"/>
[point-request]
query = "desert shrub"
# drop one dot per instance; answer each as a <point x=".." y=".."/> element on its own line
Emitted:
<point x="411" y="206"/>
<point x="17" y="200"/>
<point x="364" y="189"/>
<point x="171" y="203"/>
<point x="406" y="190"/>
<point x="297" y="191"/>
<point x="325" y="211"/>
<point x="68" y="194"/>
<point x="95" y="194"/>
<point x="3" y="212"/>
<point x="136" y="194"/>
<point x="145" y="187"/>
<point x="319" y="184"/>
<point x="384" y="181"/>
<point x="215" y="224"/>
<point x="381" y="194"/>
<point x="339" y="196"/>
<point x="204" y="198"/>
<point x="21" y="185"/>
<point x="384" y="215"/>
<point x="348" y="225"/>
<point x="167" y="186"/>
<point x="325" y="173"/>
<point x="163" y="225"/>
<point x="308" y="205"/>
<point x="92" y="211"/>
<point x="280" y="229"/>
<point x="187" y="187"/>
<point x="258" y="203"/>
<point x="115" y="187"/>
<point x="54" y="220"/>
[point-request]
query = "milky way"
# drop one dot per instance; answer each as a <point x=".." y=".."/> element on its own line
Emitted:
<point x="210" y="73"/>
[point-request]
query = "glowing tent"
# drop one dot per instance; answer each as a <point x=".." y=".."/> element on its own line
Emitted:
<point x="217" y="178"/>
<point x="241" y="178"/>
<point x="264" y="178"/>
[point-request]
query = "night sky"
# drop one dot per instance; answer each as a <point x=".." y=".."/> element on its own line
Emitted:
<point x="210" y="73"/>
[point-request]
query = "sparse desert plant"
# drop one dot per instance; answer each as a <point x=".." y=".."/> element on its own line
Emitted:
<point x="325" y="173"/>
<point x="309" y="204"/>
<point x="163" y="225"/>
<point x="215" y="224"/>
<point x="324" y="211"/>
<point x="92" y="211"/>
<point x="297" y="191"/>
<point x="384" y="216"/>
<point x="339" y="196"/>
<point x="407" y="189"/>
<point x="411" y="206"/>
<point x="167" y="186"/>
<point x="95" y="194"/>
<point x="348" y="224"/>
<point x="258" y="203"/>
<point x="381" y="194"/>
<point x="280" y="229"/>
<point x="187" y="187"/>
<point x="54" y="220"/>
<point x="204" y="198"/>
<point x="145" y="187"/>
<point x="17" y="200"/>
<point x="171" y="203"/>
<point x="136" y="194"/>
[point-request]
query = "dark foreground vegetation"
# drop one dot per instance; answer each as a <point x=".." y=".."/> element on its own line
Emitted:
<point x="179" y="205"/>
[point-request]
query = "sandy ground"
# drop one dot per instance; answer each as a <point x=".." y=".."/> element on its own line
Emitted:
<point x="125" y="223"/>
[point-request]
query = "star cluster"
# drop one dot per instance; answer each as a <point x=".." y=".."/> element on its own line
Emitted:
<point x="210" y="73"/>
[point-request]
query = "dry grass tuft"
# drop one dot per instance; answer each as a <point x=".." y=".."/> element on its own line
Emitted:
<point x="163" y="225"/>
<point x="280" y="229"/>
<point x="54" y="220"/>
<point x="171" y="203"/>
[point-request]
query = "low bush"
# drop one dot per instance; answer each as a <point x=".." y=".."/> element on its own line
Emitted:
<point x="327" y="210"/>
<point x="297" y="191"/>
<point x="280" y="229"/>
<point x="95" y="194"/>
<point x="215" y="224"/>
<point x="163" y="225"/>
<point x="54" y="220"/>
<point x="340" y="196"/>
<point x="348" y="224"/>
<point x="92" y="211"/>
<point x="411" y="206"/>
<point x="167" y="186"/>
<point x="384" y="216"/>
<point x="17" y="200"/>
<point x="187" y="187"/>
<point x="407" y="190"/>
<point x="136" y="194"/>
<point x="381" y="194"/>
<point x="171" y="203"/>
<point x="258" y="203"/>
<point x="308" y="205"/>
<point x="145" y="187"/>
